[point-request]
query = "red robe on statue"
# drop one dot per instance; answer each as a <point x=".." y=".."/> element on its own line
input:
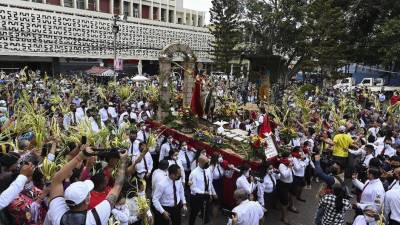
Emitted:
<point x="196" y="99"/>
<point x="265" y="127"/>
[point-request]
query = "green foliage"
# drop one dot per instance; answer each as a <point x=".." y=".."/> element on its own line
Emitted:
<point x="225" y="28"/>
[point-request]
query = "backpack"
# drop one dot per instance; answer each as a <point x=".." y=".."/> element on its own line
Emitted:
<point x="21" y="210"/>
<point x="78" y="218"/>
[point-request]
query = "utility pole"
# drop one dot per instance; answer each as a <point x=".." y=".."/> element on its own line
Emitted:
<point x="115" y="30"/>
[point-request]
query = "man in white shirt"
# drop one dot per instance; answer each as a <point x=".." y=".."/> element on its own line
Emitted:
<point x="71" y="206"/>
<point x="169" y="198"/>
<point x="392" y="201"/>
<point x="369" y="154"/>
<point x="144" y="166"/>
<point x="159" y="175"/>
<point x="388" y="150"/>
<point x="143" y="134"/>
<point x="247" y="212"/>
<point x="134" y="148"/>
<point x="373" y="192"/>
<point x="70" y="118"/>
<point x="186" y="157"/>
<point x="112" y="112"/>
<point x="103" y="114"/>
<point x="201" y="190"/>
<point x="80" y="113"/>
<point x="76" y="100"/>
<point x="12" y="192"/>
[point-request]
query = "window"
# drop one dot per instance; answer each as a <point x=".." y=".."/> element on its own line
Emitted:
<point x="80" y="4"/>
<point x="68" y="3"/>
<point x="135" y="10"/>
<point x="126" y="9"/>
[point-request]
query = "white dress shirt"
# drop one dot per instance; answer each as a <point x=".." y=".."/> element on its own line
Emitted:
<point x="373" y="193"/>
<point x="112" y="112"/>
<point x="11" y="193"/>
<point x="158" y="177"/>
<point x="80" y="114"/>
<point x="389" y="151"/>
<point x="392" y="204"/>
<point x="164" y="151"/>
<point x="366" y="160"/>
<point x="269" y="182"/>
<point x="217" y="171"/>
<point x="164" y="194"/>
<point x="134" y="148"/>
<point x="95" y="127"/>
<point x="197" y="182"/>
<point x="142" y="135"/>
<point x="243" y="183"/>
<point x="268" y="186"/>
<point x="182" y="158"/>
<point x="248" y="213"/>
<point x="177" y="162"/>
<point x="394" y="184"/>
<point x="286" y="174"/>
<point x="141" y="166"/>
<point x="299" y="166"/>
<point x="68" y="120"/>
<point x="103" y="114"/>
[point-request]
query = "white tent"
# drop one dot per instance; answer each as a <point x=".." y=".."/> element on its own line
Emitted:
<point x="140" y="78"/>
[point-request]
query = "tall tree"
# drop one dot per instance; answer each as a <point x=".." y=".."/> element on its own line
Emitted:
<point x="226" y="31"/>
<point x="276" y="28"/>
<point x="326" y="35"/>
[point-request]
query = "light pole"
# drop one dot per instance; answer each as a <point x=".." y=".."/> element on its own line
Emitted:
<point x="115" y="30"/>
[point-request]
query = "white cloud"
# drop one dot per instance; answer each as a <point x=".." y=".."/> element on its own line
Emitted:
<point x="201" y="5"/>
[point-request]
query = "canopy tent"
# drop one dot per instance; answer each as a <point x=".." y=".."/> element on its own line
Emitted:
<point x="140" y="78"/>
<point x="100" y="71"/>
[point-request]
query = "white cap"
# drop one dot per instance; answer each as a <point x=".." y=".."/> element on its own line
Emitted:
<point x="342" y="129"/>
<point x="77" y="192"/>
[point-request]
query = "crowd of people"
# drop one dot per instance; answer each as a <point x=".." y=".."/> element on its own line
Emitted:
<point x="352" y="153"/>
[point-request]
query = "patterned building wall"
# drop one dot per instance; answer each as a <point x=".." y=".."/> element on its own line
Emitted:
<point x="28" y="32"/>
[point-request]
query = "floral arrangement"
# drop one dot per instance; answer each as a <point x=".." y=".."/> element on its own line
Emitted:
<point x="186" y="115"/>
<point x="257" y="145"/>
<point x="227" y="111"/>
<point x="202" y="135"/>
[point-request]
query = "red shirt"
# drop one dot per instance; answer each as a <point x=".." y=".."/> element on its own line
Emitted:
<point x="394" y="99"/>
<point x="97" y="197"/>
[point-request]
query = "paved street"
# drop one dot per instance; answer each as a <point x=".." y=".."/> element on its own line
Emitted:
<point x="306" y="211"/>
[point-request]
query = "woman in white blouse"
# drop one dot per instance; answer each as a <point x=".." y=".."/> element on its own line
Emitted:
<point x="245" y="181"/>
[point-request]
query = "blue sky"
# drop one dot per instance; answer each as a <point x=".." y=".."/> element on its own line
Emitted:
<point x="202" y="5"/>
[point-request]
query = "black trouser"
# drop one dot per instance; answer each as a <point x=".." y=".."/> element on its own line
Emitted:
<point x="393" y="222"/>
<point x="270" y="200"/>
<point x="187" y="174"/>
<point x="219" y="188"/>
<point x="197" y="204"/>
<point x="174" y="214"/>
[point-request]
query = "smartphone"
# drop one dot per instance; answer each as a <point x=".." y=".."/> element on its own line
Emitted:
<point x="228" y="213"/>
<point x="84" y="140"/>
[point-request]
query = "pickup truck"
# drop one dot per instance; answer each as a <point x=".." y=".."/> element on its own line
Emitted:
<point x="372" y="84"/>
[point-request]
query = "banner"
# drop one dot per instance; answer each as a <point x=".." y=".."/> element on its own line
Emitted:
<point x="270" y="150"/>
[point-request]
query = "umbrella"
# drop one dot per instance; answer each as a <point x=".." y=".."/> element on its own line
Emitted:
<point x="139" y="78"/>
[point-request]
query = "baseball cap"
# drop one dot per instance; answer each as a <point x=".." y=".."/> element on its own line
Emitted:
<point x="77" y="192"/>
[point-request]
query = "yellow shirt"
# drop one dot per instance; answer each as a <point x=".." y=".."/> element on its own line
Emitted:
<point x="341" y="144"/>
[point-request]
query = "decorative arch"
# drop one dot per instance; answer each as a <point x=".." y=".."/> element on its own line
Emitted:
<point x="166" y="58"/>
